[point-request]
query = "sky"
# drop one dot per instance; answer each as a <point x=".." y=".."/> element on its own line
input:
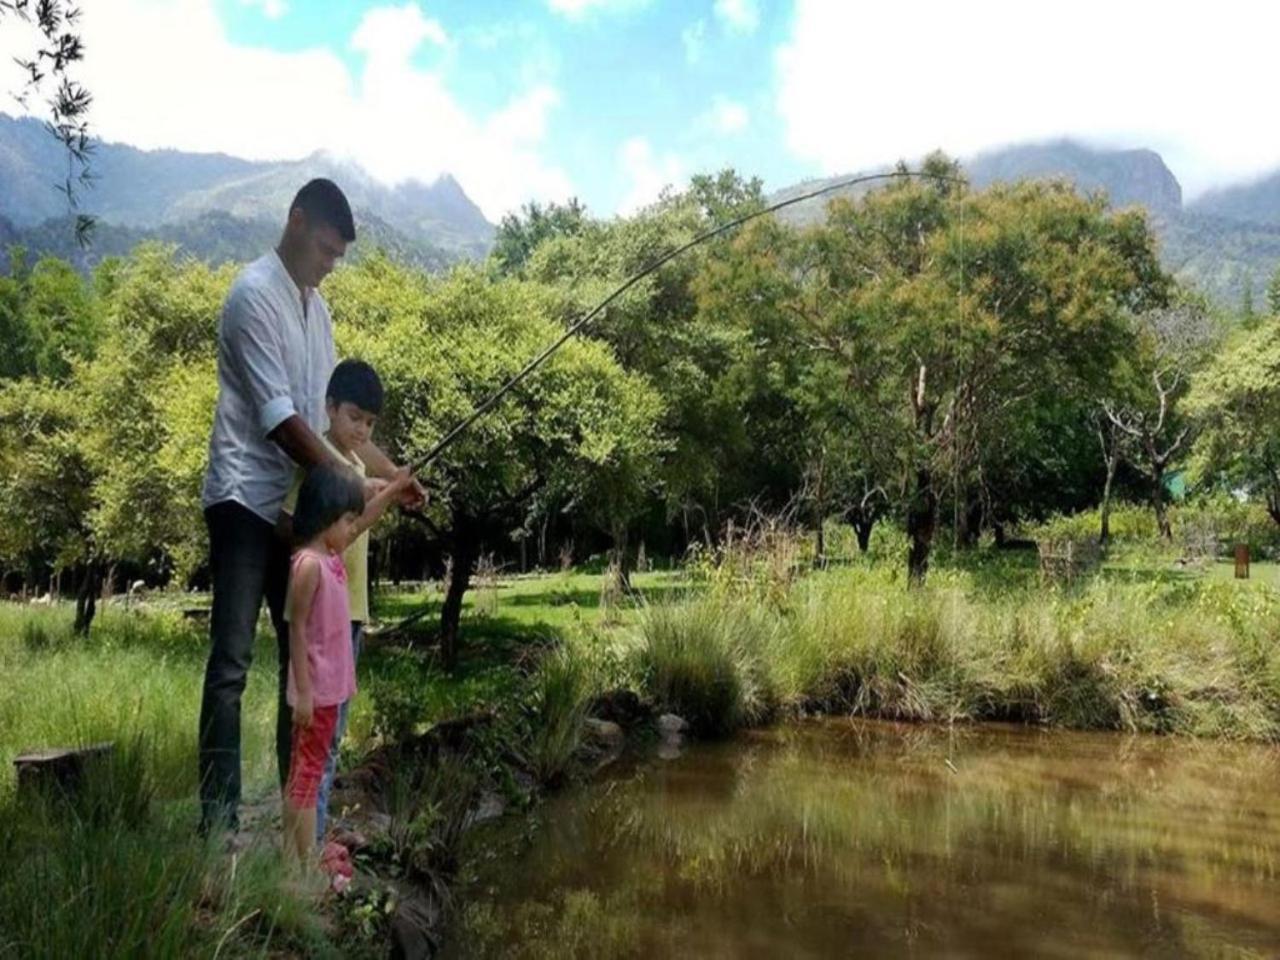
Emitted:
<point x="611" y="100"/>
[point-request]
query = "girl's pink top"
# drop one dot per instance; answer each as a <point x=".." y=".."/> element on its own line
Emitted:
<point x="333" y="669"/>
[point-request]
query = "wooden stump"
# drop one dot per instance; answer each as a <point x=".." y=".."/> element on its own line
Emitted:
<point x="1242" y="561"/>
<point x="59" y="767"/>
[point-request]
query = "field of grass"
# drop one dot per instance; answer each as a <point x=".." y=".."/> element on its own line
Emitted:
<point x="1146" y="644"/>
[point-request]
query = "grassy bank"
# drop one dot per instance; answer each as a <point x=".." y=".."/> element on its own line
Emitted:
<point x="122" y="873"/>
<point x="1172" y="653"/>
<point x="1144" y="646"/>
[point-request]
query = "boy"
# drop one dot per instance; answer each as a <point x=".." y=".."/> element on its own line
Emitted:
<point x="353" y="402"/>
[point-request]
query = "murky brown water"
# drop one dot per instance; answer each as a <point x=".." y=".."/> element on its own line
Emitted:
<point x="840" y="838"/>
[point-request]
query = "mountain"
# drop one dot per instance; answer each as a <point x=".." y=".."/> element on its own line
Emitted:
<point x="1255" y="202"/>
<point x="215" y="206"/>
<point x="1127" y="176"/>
<point x="1221" y="242"/>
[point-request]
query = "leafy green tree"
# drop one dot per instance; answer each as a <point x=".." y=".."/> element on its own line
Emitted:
<point x="49" y="74"/>
<point x="46" y="481"/>
<point x="657" y="331"/>
<point x="1273" y="294"/>
<point x="1170" y="345"/>
<point x="520" y="234"/>
<point x="1236" y="401"/>
<point x="103" y="463"/>
<point x="148" y="400"/>
<point x="580" y="426"/>
<point x="942" y="317"/>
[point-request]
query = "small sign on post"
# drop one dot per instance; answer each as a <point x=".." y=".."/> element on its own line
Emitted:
<point x="1242" y="561"/>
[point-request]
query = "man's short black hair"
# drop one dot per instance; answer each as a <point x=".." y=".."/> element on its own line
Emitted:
<point x="327" y="492"/>
<point x="354" y="381"/>
<point x="323" y="202"/>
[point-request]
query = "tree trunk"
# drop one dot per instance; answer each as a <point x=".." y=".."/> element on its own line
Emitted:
<point x="464" y="558"/>
<point x="819" y="516"/>
<point x="922" y="520"/>
<point x="1157" y="501"/>
<point x="862" y="527"/>
<point x="619" y="556"/>
<point x="970" y="523"/>
<point x="1104" y="536"/>
<point x="1273" y="504"/>
<point x="87" y="598"/>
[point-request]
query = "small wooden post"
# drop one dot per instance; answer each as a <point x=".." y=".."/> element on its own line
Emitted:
<point x="1242" y="561"/>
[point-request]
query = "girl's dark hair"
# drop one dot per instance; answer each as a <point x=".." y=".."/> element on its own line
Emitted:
<point x="327" y="493"/>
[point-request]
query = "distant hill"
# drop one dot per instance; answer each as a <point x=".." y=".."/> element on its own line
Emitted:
<point x="1254" y="202"/>
<point x="1222" y="242"/>
<point x="215" y="206"/>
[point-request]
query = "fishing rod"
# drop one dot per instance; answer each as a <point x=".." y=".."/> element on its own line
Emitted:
<point x="486" y="405"/>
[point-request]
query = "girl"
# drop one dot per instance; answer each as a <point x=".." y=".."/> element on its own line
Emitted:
<point x="331" y="512"/>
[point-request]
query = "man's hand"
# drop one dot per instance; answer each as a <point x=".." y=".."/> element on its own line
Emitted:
<point x="303" y="711"/>
<point x="414" y="495"/>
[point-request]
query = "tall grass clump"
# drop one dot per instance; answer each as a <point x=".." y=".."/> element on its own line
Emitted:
<point x="135" y="673"/>
<point x="560" y="693"/>
<point x="710" y="660"/>
<point x="858" y="642"/>
<point x="104" y="871"/>
<point x="1170" y="655"/>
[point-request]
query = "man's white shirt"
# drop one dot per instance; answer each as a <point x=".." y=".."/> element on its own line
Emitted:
<point x="274" y="360"/>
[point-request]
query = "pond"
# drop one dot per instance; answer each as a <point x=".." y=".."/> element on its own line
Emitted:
<point x="861" y="838"/>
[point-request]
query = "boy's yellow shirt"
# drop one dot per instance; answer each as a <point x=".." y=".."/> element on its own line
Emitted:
<point x="356" y="557"/>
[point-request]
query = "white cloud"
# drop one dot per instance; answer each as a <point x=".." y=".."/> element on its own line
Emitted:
<point x="396" y="118"/>
<point x="856" y="89"/>
<point x="646" y="173"/>
<point x="738" y="15"/>
<point x="694" y="39"/>
<point x="577" y="9"/>
<point x="726" y="116"/>
<point x="396" y="32"/>
<point x="271" y="9"/>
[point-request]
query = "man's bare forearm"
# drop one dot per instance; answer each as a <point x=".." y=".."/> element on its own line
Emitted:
<point x="300" y="442"/>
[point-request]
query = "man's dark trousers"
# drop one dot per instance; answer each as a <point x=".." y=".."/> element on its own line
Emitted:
<point x="248" y="561"/>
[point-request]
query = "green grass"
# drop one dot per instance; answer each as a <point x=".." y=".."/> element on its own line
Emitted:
<point x="1144" y="645"/>
<point x="1184" y="654"/>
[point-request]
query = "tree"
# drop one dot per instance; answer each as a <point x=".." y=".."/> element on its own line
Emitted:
<point x="518" y="235"/>
<point x="46" y="483"/>
<point x="441" y="346"/>
<point x="58" y="51"/>
<point x="656" y="331"/>
<point x="1273" y="294"/>
<point x="1235" y="400"/>
<point x="1247" y="314"/>
<point x="102" y="463"/>
<point x="1171" y="342"/>
<point x="1111" y="442"/>
<point x="148" y="400"/>
<point x="942" y="318"/>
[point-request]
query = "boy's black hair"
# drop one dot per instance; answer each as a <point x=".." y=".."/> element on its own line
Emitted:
<point x="354" y="381"/>
<point x="323" y="202"/>
<point x="326" y="494"/>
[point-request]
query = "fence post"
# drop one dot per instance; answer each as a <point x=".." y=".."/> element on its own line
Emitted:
<point x="1242" y="561"/>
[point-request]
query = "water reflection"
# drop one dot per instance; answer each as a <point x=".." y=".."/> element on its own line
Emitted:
<point x="840" y="838"/>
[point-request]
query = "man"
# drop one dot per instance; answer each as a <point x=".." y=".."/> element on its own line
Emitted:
<point x="275" y="354"/>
